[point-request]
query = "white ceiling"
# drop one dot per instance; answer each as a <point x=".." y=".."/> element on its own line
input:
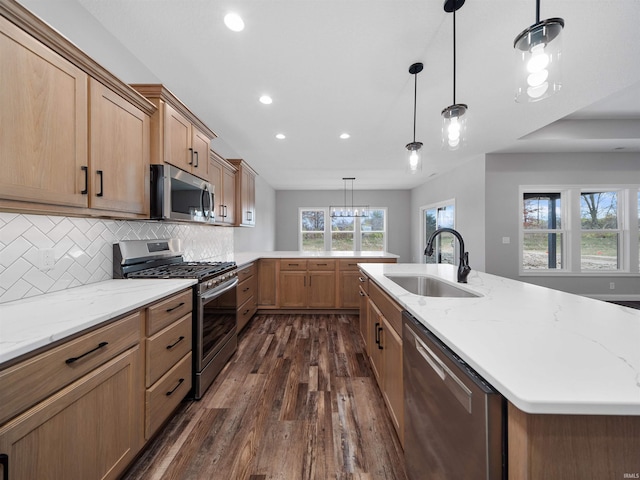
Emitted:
<point x="336" y="66"/>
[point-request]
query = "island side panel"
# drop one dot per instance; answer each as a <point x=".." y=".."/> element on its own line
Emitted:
<point x="580" y="447"/>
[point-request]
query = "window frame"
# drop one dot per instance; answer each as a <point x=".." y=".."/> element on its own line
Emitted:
<point x="328" y="238"/>
<point x="628" y="264"/>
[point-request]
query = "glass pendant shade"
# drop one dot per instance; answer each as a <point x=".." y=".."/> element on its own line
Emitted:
<point x="454" y="126"/>
<point x="414" y="157"/>
<point x="539" y="50"/>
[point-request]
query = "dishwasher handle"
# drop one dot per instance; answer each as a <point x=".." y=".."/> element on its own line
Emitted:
<point x="456" y="386"/>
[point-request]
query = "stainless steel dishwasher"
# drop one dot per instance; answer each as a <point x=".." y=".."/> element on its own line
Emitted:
<point x="454" y="420"/>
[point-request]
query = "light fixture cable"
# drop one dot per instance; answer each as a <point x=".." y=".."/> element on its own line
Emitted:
<point x="414" y="161"/>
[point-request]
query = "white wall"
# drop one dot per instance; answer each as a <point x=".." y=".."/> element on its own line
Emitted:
<point x="261" y="237"/>
<point x="506" y="172"/>
<point x="396" y="202"/>
<point x="466" y="185"/>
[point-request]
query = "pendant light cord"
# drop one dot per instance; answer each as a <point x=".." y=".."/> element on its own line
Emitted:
<point x="537" y="11"/>
<point x="454" y="55"/>
<point x="415" y="96"/>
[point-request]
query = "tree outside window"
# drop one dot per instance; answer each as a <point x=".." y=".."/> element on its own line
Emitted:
<point x="600" y="236"/>
<point x="312" y="230"/>
<point x="372" y="231"/>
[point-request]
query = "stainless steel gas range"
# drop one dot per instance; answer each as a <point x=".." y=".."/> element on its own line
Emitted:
<point x="214" y="299"/>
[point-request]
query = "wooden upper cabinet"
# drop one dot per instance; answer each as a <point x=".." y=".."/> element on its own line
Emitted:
<point x="43" y="122"/>
<point x="245" y="194"/>
<point x="178" y="137"/>
<point x="223" y="178"/>
<point x="119" y="143"/>
<point x="73" y="138"/>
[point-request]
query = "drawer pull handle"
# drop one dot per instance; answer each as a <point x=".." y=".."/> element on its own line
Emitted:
<point x="293" y="264"/>
<point x="361" y="279"/>
<point x="322" y="264"/>
<point x="101" y="192"/>
<point x="245" y="289"/>
<point x="173" y="308"/>
<point x="73" y="359"/>
<point x="175" y="388"/>
<point x="169" y="347"/>
<point x="246" y="311"/>
<point x="361" y="294"/>
<point x="4" y="461"/>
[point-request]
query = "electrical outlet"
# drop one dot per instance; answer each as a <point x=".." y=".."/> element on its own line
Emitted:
<point x="47" y="259"/>
<point x="612" y="285"/>
<point x="506" y="240"/>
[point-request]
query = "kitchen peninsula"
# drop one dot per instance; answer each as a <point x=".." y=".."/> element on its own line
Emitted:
<point x="569" y="367"/>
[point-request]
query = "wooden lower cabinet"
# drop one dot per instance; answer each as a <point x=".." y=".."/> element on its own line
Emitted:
<point x="293" y="289"/>
<point x="384" y="346"/>
<point x="91" y="429"/>
<point x="268" y="269"/>
<point x="247" y="294"/>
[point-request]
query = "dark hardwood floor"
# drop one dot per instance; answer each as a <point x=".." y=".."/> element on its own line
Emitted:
<point x="298" y="401"/>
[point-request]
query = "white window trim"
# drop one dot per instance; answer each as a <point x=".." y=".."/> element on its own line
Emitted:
<point x="572" y="230"/>
<point x="431" y="206"/>
<point x="327" y="229"/>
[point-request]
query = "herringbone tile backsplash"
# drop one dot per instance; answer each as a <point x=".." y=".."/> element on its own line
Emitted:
<point x="83" y="249"/>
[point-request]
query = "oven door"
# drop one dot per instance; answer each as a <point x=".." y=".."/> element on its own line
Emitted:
<point x="216" y="323"/>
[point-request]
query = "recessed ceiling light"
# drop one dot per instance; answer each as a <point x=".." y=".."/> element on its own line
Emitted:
<point x="281" y="136"/>
<point x="234" y="22"/>
<point x="344" y="136"/>
<point x="266" y="99"/>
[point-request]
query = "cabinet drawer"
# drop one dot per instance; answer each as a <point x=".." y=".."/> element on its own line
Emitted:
<point x="295" y="264"/>
<point x="246" y="311"/>
<point x="166" y="347"/>
<point x="390" y="309"/>
<point x="165" y="395"/>
<point x="349" y="264"/>
<point x="28" y="382"/>
<point x="363" y="281"/>
<point x="168" y="311"/>
<point x="247" y="289"/>
<point x="246" y="272"/>
<point x="321" y="264"/>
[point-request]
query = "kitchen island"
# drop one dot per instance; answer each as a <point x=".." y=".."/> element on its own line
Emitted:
<point x="568" y="366"/>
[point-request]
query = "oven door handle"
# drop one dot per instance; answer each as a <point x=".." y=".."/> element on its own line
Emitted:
<point x="217" y="293"/>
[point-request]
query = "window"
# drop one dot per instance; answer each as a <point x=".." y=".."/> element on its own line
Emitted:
<point x="542" y="239"/>
<point x="312" y="230"/>
<point x="574" y="229"/>
<point x="359" y="234"/>
<point x="440" y="216"/>
<point x="600" y="235"/>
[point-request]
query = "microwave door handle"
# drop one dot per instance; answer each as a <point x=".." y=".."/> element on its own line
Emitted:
<point x="206" y="212"/>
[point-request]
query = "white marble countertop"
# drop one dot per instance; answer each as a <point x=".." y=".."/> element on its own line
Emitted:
<point x="546" y="351"/>
<point x="247" y="257"/>
<point x="31" y="323"/>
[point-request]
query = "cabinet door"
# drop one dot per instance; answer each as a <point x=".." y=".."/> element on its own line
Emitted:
<point x="215" y="177"/>
<point x="177" y="139"/>
<point x="43" y="123"/>
<point x="364" y="322"/>
<point x="229" y="191"/>
<point x="91" y="429"/>
<point x="267" y="275"/>
<point x="119" y="153"/>
<point x="293" y="289"/>
<point x="321" y="290"/>
<point x="349" y="288"/>
<point x="200" y="150"/>
<point x="393" y="386"/>
<point x="375" y="342"/>
<point x="247" y="198"/>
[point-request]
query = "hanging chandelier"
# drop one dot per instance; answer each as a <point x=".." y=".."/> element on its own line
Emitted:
<point x="539" y="48"/>
<point x="348" y="211"/>
<point x="454" y="121"/>
<point x="415" y="160"/>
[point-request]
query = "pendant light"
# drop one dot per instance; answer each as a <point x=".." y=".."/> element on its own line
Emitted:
<point x="454" y="121"/>
<point x="539" y="49"/>
<point x="348" y="211"/>
<point x="414" y="158"/>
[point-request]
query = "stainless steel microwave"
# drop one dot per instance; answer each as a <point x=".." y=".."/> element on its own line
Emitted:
<point x="178" y="195"/>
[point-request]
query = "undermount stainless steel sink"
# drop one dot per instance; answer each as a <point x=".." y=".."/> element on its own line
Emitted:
<point x="429" y="286"/>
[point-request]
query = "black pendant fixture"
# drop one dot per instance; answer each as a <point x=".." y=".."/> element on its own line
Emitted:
<point x="539" y="49"/>
<point x="454" y="121"/>
<point x="413" y="148"/>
